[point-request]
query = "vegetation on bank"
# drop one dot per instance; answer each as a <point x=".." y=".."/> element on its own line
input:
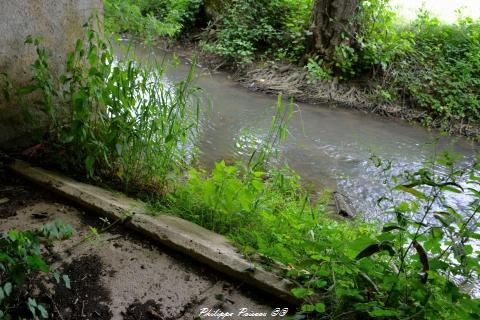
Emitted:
<point x="424" y="64"/>
<point x="116" y="122"/>
<point x="21" y="259"/>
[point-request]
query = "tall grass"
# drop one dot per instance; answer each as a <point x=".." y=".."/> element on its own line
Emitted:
<point x="116" y="119"/>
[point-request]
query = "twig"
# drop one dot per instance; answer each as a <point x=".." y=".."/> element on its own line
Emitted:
<point x="55" y="306"/>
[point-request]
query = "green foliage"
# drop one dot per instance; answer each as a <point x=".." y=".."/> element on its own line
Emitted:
<point x="427" y="64"/>
<point x="317" y="71"/>
<point x="180" y="12"/>
<point x="417" y="266"/>
<point x="249" y="27"/>
<point x="150" y="19"/>
<point x="375" y="43"/>
<point x="20" y="259"/>
<point x="441" y="73"/>
<point x="431" y="257"/>
<point x="114" y="118"/>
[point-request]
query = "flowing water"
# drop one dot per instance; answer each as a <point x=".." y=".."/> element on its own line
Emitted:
<point x="330" y="147"/>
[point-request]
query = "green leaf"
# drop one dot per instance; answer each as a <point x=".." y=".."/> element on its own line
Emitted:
<point x="391" y="227"/>
<point x="26" y="90"/>
<point x="7" y="288"/>
<point x="66" y="280"/>
<point x="473" y="235"/>
<point x="375" y="248"/>
<point x="92" y="57"/>
<point x="384" y="313"/>
<point x="319" y="307"/>
<point x="308" y="308"/>
<point x="43" y="311"/>
<point x="301" y="293"/>
<point x="414" y="192"/>
<point x="257" y="185"/>
<point x="37" y="262"/>
<point x="78" y="45"/>
<point x="359" y="244"/>
<point x="320" y="283"/>
<point x="451" y="189"/>
<point x="70" y="61"/>
<point x="89" y="165"/>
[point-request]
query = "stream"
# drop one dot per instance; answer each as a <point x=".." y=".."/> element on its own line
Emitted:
<point x="330" y="147"/>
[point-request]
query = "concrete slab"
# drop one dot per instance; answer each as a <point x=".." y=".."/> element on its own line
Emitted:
<point x="192" y="240"/>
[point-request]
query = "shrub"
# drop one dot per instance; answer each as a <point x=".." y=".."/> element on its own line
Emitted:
<point x="415" y="266"/>
<point x="375" y="44"/>
<point x="441" y="73"/>
<point x="248" y="28"/>
<point x="317" y="71"/>
<point x="150" y="19"/>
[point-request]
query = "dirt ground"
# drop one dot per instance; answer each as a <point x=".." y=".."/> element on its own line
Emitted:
<point x="119" y="275"/>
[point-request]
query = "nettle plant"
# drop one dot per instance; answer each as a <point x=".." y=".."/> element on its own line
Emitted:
<point x="423" y="264"/>
<point x="431" y="242"/>
<point x="21" y="259"/>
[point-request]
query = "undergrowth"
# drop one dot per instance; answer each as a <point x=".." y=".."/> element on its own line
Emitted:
<point x="21" y="258"/>
<point x="422" y="264"/>
<point x="441" y="71"/>
<point x="250" y="29"/>
<point x="150" y="19"/>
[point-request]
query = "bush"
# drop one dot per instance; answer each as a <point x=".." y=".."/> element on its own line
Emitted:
<point x="150" y="19"/>
<point x="120" y="122"/>
<point x="441" y="73"/>
<point x="275" y="28"/>
<point x="417" y="265"/>
<point x="316" y="71"/>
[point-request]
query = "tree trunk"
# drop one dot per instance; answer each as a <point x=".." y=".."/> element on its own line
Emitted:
<point x="330" y="20"/>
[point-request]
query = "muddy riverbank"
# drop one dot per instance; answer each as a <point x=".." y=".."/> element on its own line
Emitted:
<point x="291" y="80"/>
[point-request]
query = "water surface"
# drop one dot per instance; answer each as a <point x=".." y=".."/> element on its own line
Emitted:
<point x="330" y="147"/>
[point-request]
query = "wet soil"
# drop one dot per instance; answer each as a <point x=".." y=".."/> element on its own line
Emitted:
<point x="15" y="195"/>
<point x="149" y="310"/>
<point x="87" y="297"/>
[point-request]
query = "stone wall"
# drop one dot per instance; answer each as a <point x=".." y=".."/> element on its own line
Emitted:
<point x="59" y="23"/>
